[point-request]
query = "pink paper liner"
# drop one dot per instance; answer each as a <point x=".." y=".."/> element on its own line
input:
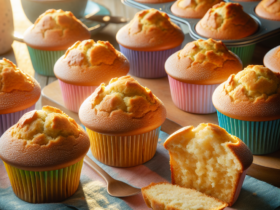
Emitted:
<point x="8" y="120"/>
<point x="74" y="95"/>
<point x="148" y="64"/>
<point x="239" y="185"/>
<point x="191" y="97"/>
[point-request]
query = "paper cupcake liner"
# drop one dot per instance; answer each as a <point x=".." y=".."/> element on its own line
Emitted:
<point x="191" y="97"/>
<point x="74" y="95"/>
<point x="244" y="53"/>
<point x="43" y="61"/>
<point x="148" y="64"/>
<point x="123" y="151"/>
<point x="8" y="120"/>
<point x="261" y="137"/>
<point x="45" y="186"/>
<point x="239" y="186"/>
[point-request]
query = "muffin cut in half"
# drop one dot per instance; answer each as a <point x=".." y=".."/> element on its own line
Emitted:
<point x="165" y="196"/>
<point x="208" y="159"/>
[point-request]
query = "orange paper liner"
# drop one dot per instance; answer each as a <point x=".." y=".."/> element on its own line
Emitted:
<point x="45" y="186"/>
<point x="123" y="151"/>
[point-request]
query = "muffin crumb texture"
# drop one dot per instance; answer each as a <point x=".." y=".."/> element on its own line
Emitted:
<point x="204" y="158"/>
<point x="209" y="51"/>
<point x="42" y="126"/>
<point x="55" y="20"/>
<point x="124" y="94"/>
<point x="89" y="53"/>
<point x="170" y="196"/>
<point x="252" y="84"/>
<point x="12" y="78"/>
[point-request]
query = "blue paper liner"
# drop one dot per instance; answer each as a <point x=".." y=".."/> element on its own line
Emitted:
<point x="261" y="137"/>
<point x="43" y="61"/>
<point x="148" y="64"/>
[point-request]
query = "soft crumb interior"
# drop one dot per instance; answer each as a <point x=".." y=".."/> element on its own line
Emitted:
<point x="206" y="164"/>
<point x="125" y="94"/>
<point x="181" y="198"/>
<point x="42" y="126"/>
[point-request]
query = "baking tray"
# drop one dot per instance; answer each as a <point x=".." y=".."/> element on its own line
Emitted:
<point x="267" y="28"/>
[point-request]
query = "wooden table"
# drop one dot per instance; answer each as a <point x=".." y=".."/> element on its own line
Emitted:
<point x="265" y="168"/>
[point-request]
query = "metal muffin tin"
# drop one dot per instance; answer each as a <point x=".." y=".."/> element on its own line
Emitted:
<point x="267" y="28"/>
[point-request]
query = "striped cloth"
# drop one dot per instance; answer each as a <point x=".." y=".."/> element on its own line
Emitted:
<point x="92" y="194"/>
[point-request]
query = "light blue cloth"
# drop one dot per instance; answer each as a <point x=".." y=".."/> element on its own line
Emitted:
<point x="91" y="194"/>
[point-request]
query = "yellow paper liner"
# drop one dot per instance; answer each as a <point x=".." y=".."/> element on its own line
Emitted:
<point x="123" y="151"/>
<point x="45" y="186"/>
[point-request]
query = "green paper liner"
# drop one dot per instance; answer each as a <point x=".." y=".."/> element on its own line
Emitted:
<point x="123" y="151"/>
<point x="43" y="61"/>
<point x="45" y="186"/>
<point x="261" y="137"/>
<point x="244" y="53"/>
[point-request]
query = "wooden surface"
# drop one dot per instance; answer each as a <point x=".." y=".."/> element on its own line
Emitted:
<point x="266" y="168"/>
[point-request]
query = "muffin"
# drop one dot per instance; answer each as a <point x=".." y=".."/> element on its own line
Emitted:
<point x="84" y="67"/>
<point x="269" y="9"/>
<point x="228" y="21"/>
<point x="50" y="36"/>
<point x="192" y="9"/>
<point x="248" y="107"/>
<point x="147" y="41"/>
<point x="208" y="159"/>
<point x="162" y="196"/>
<point x="123" y="120"/>
<point x="195" y="71"/>
<point x="272" y="59"/>
<point x="18" y="94"/>
<point x="43" y="155"/>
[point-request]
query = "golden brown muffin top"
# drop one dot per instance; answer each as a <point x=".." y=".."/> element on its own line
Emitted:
<point x="18" y="90"/>
<point x="269" y="9"/>
<point x="226" y="21"/>
<point x="272" y="59"/>
<point x="203" y="62"/>
<point x="12" y="78"/>
<point x="48" y="137"/>
<point x="253" y="95"/>
<point x="192" y="8"/>
<point x="91" y="63"/>
<point x="55" y="30"/>
<point x="122" y="107"/>
<point x="254" y="83"/>
<point x="150" y="30"/>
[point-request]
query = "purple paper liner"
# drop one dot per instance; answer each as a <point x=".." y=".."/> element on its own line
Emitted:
<point x="8" y="120"/>
<point x="74" y="95"/>
<point x="191" y="97"/>
<point x="148" y="64"/>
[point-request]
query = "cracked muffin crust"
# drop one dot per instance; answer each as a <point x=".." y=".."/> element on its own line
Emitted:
<point x="150" y="30"/>
<point x="44" y="140"/>
<point x="203" y="62"/>
<point x="55" y="30"/>
<point x="123" y="107"/>
<point x="90" y="63"/>
<point x="253" y="94"/>
<point x="192" y="8"/>
<point x="226" y="21"/>
<point x="18" y="90"/>
<point x="269" y="9"/>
